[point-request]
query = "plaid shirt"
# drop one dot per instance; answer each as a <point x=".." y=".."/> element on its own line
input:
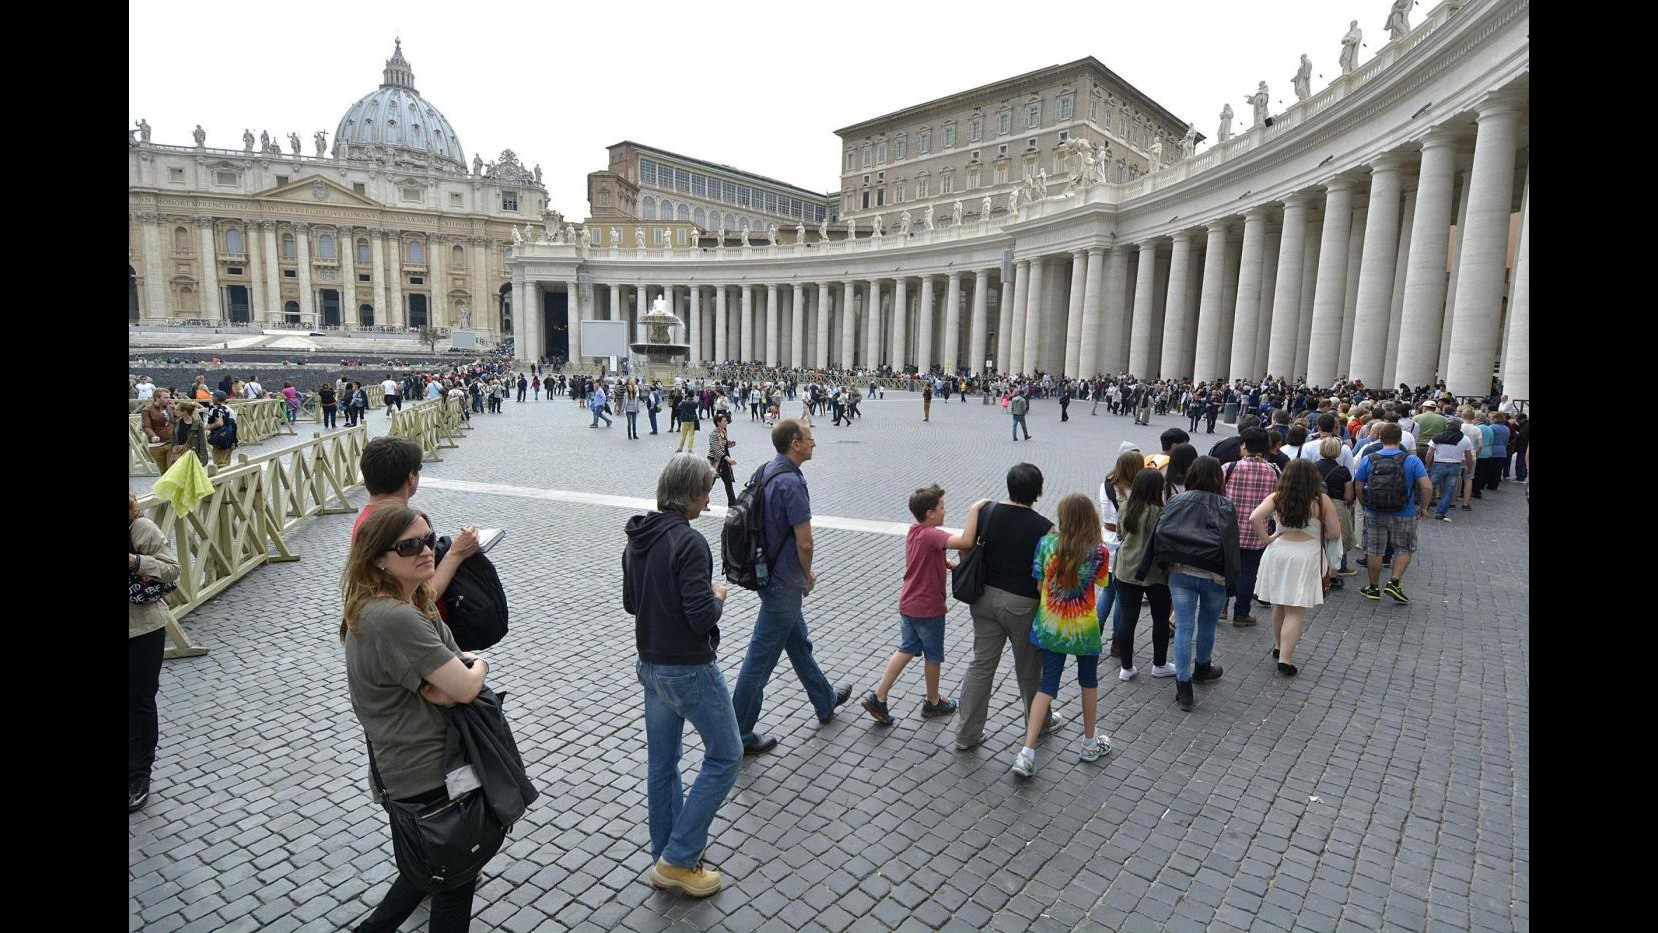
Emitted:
<point x="1248" y="482"/>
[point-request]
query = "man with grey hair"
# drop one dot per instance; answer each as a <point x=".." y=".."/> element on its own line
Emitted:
<point x="668" y="587"/>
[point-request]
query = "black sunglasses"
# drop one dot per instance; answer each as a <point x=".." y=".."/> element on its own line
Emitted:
<point x="409" y="547"/>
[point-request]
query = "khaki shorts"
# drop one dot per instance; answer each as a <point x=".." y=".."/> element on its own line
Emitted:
<point x="1383" y="530"/>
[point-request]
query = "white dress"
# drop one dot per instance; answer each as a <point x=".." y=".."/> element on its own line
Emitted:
<point x="1292" y="572"/>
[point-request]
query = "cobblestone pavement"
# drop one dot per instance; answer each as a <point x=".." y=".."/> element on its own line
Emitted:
<point x="1386" y="787"/>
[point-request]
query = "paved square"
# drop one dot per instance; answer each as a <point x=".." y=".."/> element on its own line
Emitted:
<point x="1386" y="787"/>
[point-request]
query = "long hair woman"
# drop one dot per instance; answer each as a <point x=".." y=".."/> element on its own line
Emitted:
<point x="401" y="664"/>
<point x="1181" y="458"/>
<point x="1136" y="525"/>
<point x="1113" y="493"/>
<point x="152" y="559"/>
<point x="1295" y="561"/>
<point x="1197" y="543"/>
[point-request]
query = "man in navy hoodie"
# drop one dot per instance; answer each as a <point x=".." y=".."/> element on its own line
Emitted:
<point x="667" y="586"/>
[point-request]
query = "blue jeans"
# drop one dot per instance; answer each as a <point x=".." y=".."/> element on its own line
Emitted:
<point x="597" y="414"/>
<point x="1445" y="479"/>
<point x="674" y="695"/>
<point x="922" y="636"/>
<point x="1019" y="424"/>
<point x="780" y="627"/>
<point x="1102" y="606"/>
<point x="1197" y="604"/>
<point x="652" y="413"/>
<point x="1249" y="564"/>
<point x="633" y="424"/>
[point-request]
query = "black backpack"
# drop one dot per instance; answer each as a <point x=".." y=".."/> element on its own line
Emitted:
<point x="1385" y="490"/>
<point x="743" y="556"/>
<point x="475" y="604"/>
<point x="223" y="436"/>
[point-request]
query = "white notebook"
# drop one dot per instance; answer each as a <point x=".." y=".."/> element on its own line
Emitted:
<point x="488" y="538"/>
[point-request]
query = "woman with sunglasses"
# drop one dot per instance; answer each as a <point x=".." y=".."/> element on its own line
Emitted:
<point x="401" y="665"/>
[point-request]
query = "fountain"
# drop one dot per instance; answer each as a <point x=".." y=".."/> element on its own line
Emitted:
<point x="660" y="353"/>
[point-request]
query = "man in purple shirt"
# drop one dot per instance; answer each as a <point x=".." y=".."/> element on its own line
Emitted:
<point x="781" y="625"/>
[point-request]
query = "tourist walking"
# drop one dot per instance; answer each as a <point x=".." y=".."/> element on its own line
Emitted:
<point x="1393" y="485"/>
<point x="1296" y="560"/>
<point x="630" y="407"/>
<point x="688" y="424"/>
<point x="597" y="403"/>
<point x="719" y="453"/>
<point x="1018" y="407"/>
<point x="156" y="421"/>
<point x="151" y="564"/>
<point x="1196" y="541"/>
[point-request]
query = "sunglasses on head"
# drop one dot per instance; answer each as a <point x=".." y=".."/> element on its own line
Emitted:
<point x="409" y="547"/>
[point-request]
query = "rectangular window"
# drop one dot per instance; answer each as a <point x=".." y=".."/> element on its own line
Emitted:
<point x="1093" y="108"/>
<point x="949" y="137"/>
<point x="868" y="154"/>
<point x="975" y="157"/>
<point x="682" y="180"/>
<point x="921" y="188"/>
<point x="417" y="280"/>
<point x="454" y="199"/>
<point x="866" y="200"/>
<point x="365" y="277"/>
<point x="281" y="180"/>
<point x="851" y="158"/>
<point x="175" y="175"/>
<point x="880" y="197"/>
<point x="771" y="202"/>
<point x="1001" y="151"/>
<point x="699" y="185"/>
<point x="974" y="179"/>
<point x="647" y="172"/>
<point x="949" y="183"/>
<point x="898" y="192"/>
<point x="359" y="187"/>
<point x="1033" y="115"/>
<point x="1030" y="144"/>
<point x="1004" y="123"/>
<point x="1065" y="105"/>
<point x="1064" y="135"/>
<point x="409" y="194"/>
<point x="899" y="148"/>
<point x="604" y="199"/>
<point x="728" y="192"/>
<point x="509" y="200"/>
<point x="233" y="270"/>
<point x="290" y="273"/>
<point x="975" y="129"/>
<point x="1001" y="174"/>
<point x="744" y="195"/>
<point x="881" y="153"/>
<point x="924" y="142"/>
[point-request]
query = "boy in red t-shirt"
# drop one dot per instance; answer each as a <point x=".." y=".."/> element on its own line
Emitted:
<point x="921" y="606"/>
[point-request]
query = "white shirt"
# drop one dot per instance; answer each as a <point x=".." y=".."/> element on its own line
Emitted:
<point x="145" y="390"/>
<point x="1309" y="451"/>
<point x="1453" y="453"/>
<point x="391" y="387"/>
<point x="255" y="389"/>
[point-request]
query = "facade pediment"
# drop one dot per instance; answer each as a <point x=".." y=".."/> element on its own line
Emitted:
<point x="313" y="189"/>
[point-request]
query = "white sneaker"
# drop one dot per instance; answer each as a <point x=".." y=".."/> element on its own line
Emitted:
<point x="1092" y="749"/>
<point x="1162" y="670"/>
<point x="1023" y="765"/>
<point x="1055" y="723"/>
<point x="1126" y="674"/>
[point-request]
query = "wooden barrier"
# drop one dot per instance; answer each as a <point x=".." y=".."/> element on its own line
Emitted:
<point x="242" y="524"/>
<point x="139" y="462"/>
<point x="259" y="419"/>
<point x="428" y="424"/>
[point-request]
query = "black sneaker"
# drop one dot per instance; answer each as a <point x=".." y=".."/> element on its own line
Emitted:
<point x="1370" y="591"/>
<point x="944" y="707"/>
<point x="1396" y="591"/>
<point x="138" y="794"/>
<point x="841" y="696"/>
<point x="877" y="709"/>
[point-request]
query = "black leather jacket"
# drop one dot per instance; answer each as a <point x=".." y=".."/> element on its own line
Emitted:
<point x="1199" y="529"/>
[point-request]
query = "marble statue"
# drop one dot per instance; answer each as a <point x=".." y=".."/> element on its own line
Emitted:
<point x="1188" y="143"/>
<point x="823" y="229"/>
<point x="1398" y="19"/>
<point x="660" y="306"/>
<point x="538" y="173"/>
<point x="264" y="141"/>
<point x="587" y="237"/>
<point x="1156" y="153"/>
<point x="1225" y="131"/>
<point x="517" y="237"/>
<point x="570" y="234"/>
<point x="477" y="164"/>
<point x="927" y="218"/>
<point x="851" y="228"/>
<point x="875" y="227"/>
<point x="744" y="234"/>
<point x="638" y="237"/>
<point x="321" y="139"/>
<point x="956" y="214"/>
<point x="721" y="236"/>
<point x="200" y="136"/>
<point x="1013" y="202"/>
<point x="1083" y="151"/>
<point x="694" y="236"/>
<point x="1041" y="183"/>
<point x="906" y="220"/>
<point x="799" y="233"/>
<point x="293" y="140"/>
<point x="771" y="235"/>
<point x="247" y="140"/>
<point x="1350" y="47"/>
<point x="1303" y="79"/>
<point x="615" y="238"/>
<point x="143" y="129"/>
<point x="466" y="317"/>
<point x="985" y="208"/>
<point x="1259" y="101"/>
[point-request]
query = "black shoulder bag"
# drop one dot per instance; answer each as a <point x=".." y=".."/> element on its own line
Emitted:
<point x="967" y="580"/>
<point x="440" y="846"/>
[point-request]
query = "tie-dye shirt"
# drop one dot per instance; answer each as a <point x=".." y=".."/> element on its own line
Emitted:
<point x="1065" y="618"/>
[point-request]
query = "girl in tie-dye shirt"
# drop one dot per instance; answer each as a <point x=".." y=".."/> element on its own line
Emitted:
<point x="1069" y="563"/>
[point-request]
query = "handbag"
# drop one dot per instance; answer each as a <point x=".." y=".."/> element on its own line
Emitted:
<point x="967" y="580"/>
<point x="138" y="591"/>
<point x="443" y="845"/>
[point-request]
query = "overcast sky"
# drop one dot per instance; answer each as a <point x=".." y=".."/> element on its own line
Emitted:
<point x="756" y="85"/>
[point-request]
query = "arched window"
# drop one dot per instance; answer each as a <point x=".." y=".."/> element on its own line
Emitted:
<point x="416" y="136"/>
<point x="682" y="212"/>
<point x="394" y="133"/>
<point x="743" y="224"/>
<point x="288" y="251"/>
<point x="665" y="209"/>
<point x="457" y="258"/>
<point x="291" y="309"/>
<point x="417" y="253"/>
<point x="181" y="240"/>
<point x="363" y="253"/>
<point x="700" y="218"/>
<point x="325" y="247"/>
<point x="233" y="241"/>
<point x="647" y="208"/>
<point x="730" y="221"/>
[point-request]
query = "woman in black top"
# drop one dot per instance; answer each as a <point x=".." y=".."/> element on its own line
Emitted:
<point x="330" y="408"/>
<point x="1011" y="530"/>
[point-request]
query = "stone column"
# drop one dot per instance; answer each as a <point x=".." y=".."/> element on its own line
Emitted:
<point x="1286" y="302"/>
<point x="640" y="307"/>
<point x="1093" y="321"/>
<point x="574" y="313"/>
<point x="1516" y="371"/>
<point x="1269" y="287"/>
<point x="1396" y="309"/>
<point x="1004" y="324"/>
<point x="348" y="275"/>
<point x="1021" y="304"/>
<point x="1074" y="313"/>
<point x="155" y="289"/>
<point x="822" y="310"/>
<point x="1248" y="315"/>
<point x="1329" y="290"/>
<point x="307" y="303"/>
<point x="1145" y="283"/>
<point x="1350" y="305"/>
<point x="1174" y="321"/>
<point x="722" y="326"/>
<point x="900" y="323"/>
<point x="924" y="329"/>
<point x="1228" y="299"/>
<point x="210" y="308"/>
<point x="1115" y="334"/>
<point x="849" y="324"/>
<point x="1376" y="272"/>
<point x="1033" y="315"/>
<point x="872" y="325"/>
<point x="526" y="313"/>
<point x="377" y="254"/>
<point x="394" y="281"/>
<point x="1207" y="367"/>
<point x="613" y="304"/>
<point x="273" y="277"/>
<point x="1456" y="268"/>
<point x="797" y="326"/>
<point x="693" y="324"/>
<point x="773" y="330"/>
<point x="1309" y="281"/>
<point x="1055" y="304"/>
<point x="979" y="326"/>
<point x="1423" y="315"/>
<point x="437" y="247"/>
<point x="483" y="300"/>
<point x="952" y="322"/>
<point x="1475" y="326"/>
<point x="746" y="323"/>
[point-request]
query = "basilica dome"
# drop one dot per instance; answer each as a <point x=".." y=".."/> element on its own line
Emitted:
<point x="395" y="125"/>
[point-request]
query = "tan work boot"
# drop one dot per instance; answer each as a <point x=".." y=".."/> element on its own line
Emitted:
<point x="696" y="881"/>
